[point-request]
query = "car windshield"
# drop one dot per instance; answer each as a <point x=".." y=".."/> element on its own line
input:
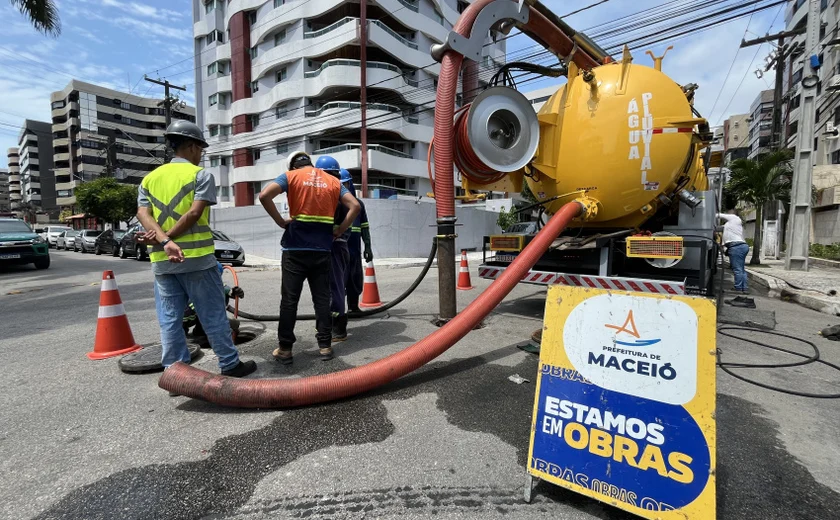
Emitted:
<point x="59" y="229"/>
<point x="14" y="226"/>
<point x="119" y="234"/>
<point x="218" y="235"/>
<point x="91" y="233"/>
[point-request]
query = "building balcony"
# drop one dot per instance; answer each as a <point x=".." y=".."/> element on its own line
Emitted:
<point x="65" y="201"/>
<point x="61" y="157"/>
<point x="14" y="179"/>
<point x="58" y="143"/>
<point x="59" y="186"/>
<point x="15" y="195"/>
<point x="347" y="114"/>
<point x="33" y="197"/>
<point x="65" y="110"/>
<point x="399" y="47"/>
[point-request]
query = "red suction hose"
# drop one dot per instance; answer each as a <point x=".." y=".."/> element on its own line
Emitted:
<point x="284" y="393"/>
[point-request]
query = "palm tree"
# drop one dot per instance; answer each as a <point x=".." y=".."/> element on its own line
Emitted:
<point x="42" y="13"/>
<point x="758" y="181"/>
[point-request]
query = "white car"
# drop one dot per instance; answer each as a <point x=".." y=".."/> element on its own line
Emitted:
<point x="51" y="234"/>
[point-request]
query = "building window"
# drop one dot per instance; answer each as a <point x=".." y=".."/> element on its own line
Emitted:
<point x="795" y="102"/>
<point x="214" y="130"/>
<point x="279" y="37"/>
<point x="224" y="161"/>
<point x="797" y="77"/>
<point x="213" y="100"/>
<point x="823" y="5"/>
<point x="281" y="111"/>
<point x="58" y="104"/>
<point x="255" y="86"/>
<point x="225" y="191"/>
<point x="818" y="115"/>
<point x="835" y="157"/>
<point x="793" y="128"/>
<point x="212" y="69"/>
<point x="283" y="148"/>
<point x="253" y="52"/>
<point x="209" y="6"/>
<point x="278" y="3"/>
<point x="255" y="120"/>
<point x="252" y="17"/>
<point x="225" y="129"/>
<point x="255" y="154"/>
<point x="220" y="36"/>
<point x="215" y="161"/>
<point x="281" y="75"/>
<point x="211" y="38"/>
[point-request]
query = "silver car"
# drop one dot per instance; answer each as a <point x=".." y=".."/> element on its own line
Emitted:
<point x="228" y="251"/>
<point x="61" y="239"/>
<point x="86" y="240"/>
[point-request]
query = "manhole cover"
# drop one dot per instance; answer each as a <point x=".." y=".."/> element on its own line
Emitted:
<point x="244" y="336"/>
<point x="147" y="359"/>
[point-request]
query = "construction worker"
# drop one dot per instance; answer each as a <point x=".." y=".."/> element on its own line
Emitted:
<point x="313" y="196"/>
<point x="174" y="207"/>
<point x="360" y="231"/>
<point x="340" y="257"/>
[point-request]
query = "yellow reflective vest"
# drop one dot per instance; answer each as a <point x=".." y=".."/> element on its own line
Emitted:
<point x="171" y="190"/>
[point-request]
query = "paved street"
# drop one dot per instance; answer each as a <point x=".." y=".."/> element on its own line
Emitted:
<point x="80" y="439"/>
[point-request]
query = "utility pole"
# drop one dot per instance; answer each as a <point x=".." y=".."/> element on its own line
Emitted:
<point x="779" y="63"/>
<point x="363" y="40"/>
<point x="166" y="103"/>
<point x="799" y="222"/>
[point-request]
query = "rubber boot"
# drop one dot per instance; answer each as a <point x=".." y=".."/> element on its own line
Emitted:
<point x="339" y="329"/>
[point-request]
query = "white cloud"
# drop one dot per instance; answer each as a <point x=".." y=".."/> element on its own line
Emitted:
<point x="153" y="28"/>
<point x="144" y="10"/>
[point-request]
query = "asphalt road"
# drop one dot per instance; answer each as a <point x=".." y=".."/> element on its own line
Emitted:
<point x="80" y="439"/>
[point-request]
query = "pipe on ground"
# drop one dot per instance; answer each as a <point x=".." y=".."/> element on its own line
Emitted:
<point x="284" y="393"/>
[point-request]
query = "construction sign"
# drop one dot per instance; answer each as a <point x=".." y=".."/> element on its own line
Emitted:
<point x="625" y="400"/>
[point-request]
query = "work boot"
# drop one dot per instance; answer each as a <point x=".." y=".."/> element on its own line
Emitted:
<point x="746" y="303"/>
<point x="241" y="370"/>
<point x="339" y="329"/>
<point x="283" y="355"/>
<point x="326" y="353"/>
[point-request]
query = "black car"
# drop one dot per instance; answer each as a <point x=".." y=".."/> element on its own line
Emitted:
<point x="109" y="242"/>
<point x="129" y="245"/>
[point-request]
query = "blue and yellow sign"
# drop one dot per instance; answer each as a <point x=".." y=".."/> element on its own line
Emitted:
<point x="624" y="408"/>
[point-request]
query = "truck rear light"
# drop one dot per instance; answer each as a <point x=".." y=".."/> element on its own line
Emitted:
<point x="507" y="243"/>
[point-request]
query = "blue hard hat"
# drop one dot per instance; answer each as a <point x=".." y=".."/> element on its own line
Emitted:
<point x="327" y="163"/>
<point x="345" y="176"/>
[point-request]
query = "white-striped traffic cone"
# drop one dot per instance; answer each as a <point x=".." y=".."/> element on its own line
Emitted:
<point x="113" y="333"/>
<point x="464" y="283"/>
<point x="370" y="291"/>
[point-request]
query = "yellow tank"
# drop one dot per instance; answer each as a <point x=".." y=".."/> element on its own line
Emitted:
<point x="624" y="134"/>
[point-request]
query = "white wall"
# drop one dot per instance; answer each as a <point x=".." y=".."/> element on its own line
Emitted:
<point x="399" y="228"/>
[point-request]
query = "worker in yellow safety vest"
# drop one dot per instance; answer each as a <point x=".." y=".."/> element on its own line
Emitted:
<point x="174" y="206"/>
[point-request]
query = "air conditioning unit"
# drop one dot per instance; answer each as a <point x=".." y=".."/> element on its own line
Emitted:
<point x="833" y="82"/>
<point x="831" y="131"/>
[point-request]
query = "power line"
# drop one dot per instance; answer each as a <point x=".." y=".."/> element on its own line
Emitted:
<point x="731" y="65"/>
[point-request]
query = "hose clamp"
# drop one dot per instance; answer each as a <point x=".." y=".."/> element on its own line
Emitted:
<point x="491" y="17"/>
<point x="589" y="207"/>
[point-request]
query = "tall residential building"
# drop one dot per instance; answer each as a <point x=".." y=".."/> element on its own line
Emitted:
<point x="99" y="131"/>
<point x="14" y="179"/>
<point x="35" y="150"/>
<point x="736" y="137"/>
<point x="4" y="191"/>
<point x="761" y="124"/>
<point x="275" y="76"/>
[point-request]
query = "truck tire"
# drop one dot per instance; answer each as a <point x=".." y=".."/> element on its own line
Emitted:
<point x="42" y="263"/>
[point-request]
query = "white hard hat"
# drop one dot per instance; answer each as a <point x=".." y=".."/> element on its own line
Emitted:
<point x="292" y="157"/>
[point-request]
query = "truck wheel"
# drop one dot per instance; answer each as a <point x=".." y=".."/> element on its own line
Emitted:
<point x="42" y="263"/>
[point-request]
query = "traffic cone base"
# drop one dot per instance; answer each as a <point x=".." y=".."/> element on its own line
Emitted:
<point x="370" y="291"/>
<point x="113" y="333"/>
<point x="464" y="283"/>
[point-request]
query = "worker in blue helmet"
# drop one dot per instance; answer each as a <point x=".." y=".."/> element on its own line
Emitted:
<point x="339" y="259"/>
<point x="360" y="231"/>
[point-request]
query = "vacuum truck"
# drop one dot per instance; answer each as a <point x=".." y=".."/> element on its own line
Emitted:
<point x="625" y="140"/>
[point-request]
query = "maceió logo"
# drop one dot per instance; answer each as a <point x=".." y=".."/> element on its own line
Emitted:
<point x="629" y="327"/>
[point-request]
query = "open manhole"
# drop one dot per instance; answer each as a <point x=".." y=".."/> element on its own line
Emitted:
<point x="147" y="359"/>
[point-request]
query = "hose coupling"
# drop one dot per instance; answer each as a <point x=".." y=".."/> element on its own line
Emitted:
<point x="589" y="207"/>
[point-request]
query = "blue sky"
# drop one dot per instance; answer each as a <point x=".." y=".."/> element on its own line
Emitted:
<point x="114" y="42"/>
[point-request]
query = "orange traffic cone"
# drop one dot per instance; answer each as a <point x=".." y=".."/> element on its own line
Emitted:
<point x="113" y="333"/>
<point x="370" y="291"/>
<point x="464" y="283"/>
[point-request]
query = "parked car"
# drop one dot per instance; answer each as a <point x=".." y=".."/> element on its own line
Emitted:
<point x="109" y="242"/>
<point x="20" y="245"/>
<point x="61" y="240"/>
<point x="70" y="239"/>
<point x="228" y="251"/>
<point x="51" y="234"/>
<point x="85" y="240"/>
<point x="129" y="245"/>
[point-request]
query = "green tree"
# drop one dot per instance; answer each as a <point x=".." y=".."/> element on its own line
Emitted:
<point x="758" y="181"/>
<point x="43" y="14"/>
<point x="107" y="199"/>
<point x="506" y="218"/>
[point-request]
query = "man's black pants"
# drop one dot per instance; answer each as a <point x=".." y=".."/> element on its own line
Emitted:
<point x="314" y="267"/>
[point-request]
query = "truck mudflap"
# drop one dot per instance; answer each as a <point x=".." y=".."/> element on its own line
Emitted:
<point x="596" y="282"/>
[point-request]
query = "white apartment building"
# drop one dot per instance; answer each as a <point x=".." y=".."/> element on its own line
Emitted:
<point x="35" y="152"/>
<point x="15" y="197"/>
<point x="5" y="205"/>
<point x="274" y="76"/>
<point x="96" y="128"/>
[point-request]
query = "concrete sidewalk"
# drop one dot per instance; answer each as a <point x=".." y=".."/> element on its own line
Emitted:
<point x="817" y="289"/>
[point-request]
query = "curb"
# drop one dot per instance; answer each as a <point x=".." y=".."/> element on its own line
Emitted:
<point x="780" y="289"/>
